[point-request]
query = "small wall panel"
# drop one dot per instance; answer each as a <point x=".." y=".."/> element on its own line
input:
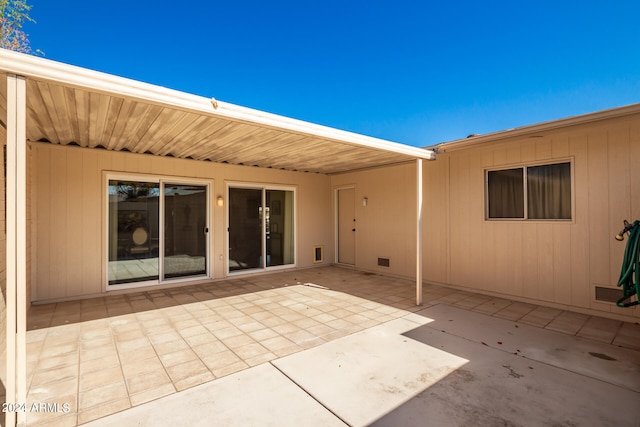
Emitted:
<point x="543" y="149"/>
<point x="561" y="292"/>
<point x="75" y="209"/>
<point x="560" y="146"/>
<point x="598" y="207"/>
<point x="530" y="272"/>
<point x="57" y="231"/>
<point x="620" y="165"/>
<point x="580" y="241"/>
<point x="92" y="216"/>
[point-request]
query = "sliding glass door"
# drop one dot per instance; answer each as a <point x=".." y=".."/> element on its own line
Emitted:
<point x="134" y="239"/>
<point x="185" y="230"/>
<point x="245" y="229"/>
<point x="157" y="230"/>
<point x="279" y="227"/>
<point x="261" y="228"/>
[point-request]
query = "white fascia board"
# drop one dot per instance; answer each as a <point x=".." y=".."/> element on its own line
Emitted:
<point x="255" y="116"/>
<point x="539" y="128"/>
<point x="69" y="75"/>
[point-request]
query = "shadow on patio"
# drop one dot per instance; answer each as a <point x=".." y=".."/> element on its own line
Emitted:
<point x="108" y="354"/>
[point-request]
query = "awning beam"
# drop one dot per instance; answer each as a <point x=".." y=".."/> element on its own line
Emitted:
<point x="419" y="214"/>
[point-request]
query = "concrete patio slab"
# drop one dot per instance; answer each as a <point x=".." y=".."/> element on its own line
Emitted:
<point x="363" y="376"/>
<point x="606" y="362"/>
<point x="498" y="388"/>
<point x="440" y="378"/>
<point x="259" y="396"/>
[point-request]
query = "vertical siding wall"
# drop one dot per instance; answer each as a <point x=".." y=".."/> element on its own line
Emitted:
<point x="386" y="227"/>
<point x="68" y="194"/>
<point x="553" y="262"/>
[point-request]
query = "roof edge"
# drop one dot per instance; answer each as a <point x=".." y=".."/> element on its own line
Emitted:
<point x="48" y="70"/>
<point x="529" y="130"/>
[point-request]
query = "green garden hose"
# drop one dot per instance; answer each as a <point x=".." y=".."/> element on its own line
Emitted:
<point x="629" y="275"/>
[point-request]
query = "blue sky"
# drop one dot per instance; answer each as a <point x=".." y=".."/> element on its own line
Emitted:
<point x="415" y="72"/>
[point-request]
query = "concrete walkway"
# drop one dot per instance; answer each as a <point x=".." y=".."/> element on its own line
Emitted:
<point x="441" y="366"/>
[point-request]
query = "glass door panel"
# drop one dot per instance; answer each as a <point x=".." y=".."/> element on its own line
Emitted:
<point x="279" y="227"/>
<point x="185" y="230"/>
<point x="133" y="231"/>
<point x="245" y="229"/>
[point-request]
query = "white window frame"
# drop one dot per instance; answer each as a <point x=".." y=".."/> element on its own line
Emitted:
<point x="263" y="188"/>
<point x="161" y="180"/>
<point x="524" y="167"/>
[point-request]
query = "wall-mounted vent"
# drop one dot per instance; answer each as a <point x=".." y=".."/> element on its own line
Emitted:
<point x="318" y="255"/>
<point x="608" y="294"/>
<point x="383" y="262"/>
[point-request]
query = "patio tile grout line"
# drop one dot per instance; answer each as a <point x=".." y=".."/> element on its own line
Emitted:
<point x="124" y="377"/>
<point x="117" y="353"/>
<point x="310" y="395"/>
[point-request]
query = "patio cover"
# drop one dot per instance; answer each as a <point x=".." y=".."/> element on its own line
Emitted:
<point x="71" y="105"/>
<point x="43" y="101"/>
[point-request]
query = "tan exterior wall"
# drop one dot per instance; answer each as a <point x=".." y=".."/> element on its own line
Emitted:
<point x="553" y="263"/>
<point x="386" y="227"/>
<point x="550" y="262"/>
<point x="68" y="201"/>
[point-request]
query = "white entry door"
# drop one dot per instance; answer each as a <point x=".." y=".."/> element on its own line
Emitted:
<point x="346" y="223"/>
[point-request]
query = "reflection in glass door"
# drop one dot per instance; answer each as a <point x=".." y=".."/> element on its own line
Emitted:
<point x="185" y="230"/>
<point x="279" y="227"/>
<point x="261" y="228"/>
<point x="245" y="229"/>
<point x="134" y="239"/>
<point x="156" y="231"/>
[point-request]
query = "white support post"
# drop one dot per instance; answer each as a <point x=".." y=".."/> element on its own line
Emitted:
<point x="16" y="247"/>
<point x="419" y="232"/>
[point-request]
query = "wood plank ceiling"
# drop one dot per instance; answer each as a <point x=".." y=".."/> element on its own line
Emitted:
<point x="64" y="115"/>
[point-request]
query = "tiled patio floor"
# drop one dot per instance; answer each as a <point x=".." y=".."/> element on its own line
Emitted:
<point x="108" y="354"/>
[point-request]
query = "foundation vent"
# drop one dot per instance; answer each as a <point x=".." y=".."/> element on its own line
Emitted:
<point x="608" y="294"/>
<point x="383" y="262"/>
